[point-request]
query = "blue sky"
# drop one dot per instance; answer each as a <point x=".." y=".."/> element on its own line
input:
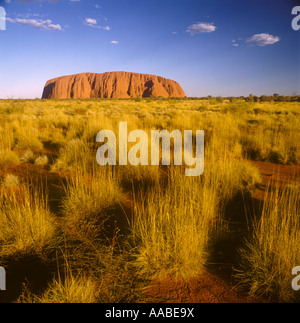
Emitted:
<point x="211" y="47"/>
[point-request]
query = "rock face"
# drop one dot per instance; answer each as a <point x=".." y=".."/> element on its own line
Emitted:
<point x="111" y="85"/>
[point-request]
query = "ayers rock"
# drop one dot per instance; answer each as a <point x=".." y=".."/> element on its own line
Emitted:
<point x="111" y="85"/>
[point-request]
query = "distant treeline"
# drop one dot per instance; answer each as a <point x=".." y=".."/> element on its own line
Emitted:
<point x="253" y="98"/>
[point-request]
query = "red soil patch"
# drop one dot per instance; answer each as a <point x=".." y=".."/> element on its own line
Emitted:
<point x="275" y="175"/>
<point x="207" y="288"/>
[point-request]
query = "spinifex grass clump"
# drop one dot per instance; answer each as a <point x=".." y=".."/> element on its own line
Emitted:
<point x="75" y="154"/>
<point x="41" y="160"/>
<point x="66" y="287"/>
<point x="271" y="139"/>
<point x="26" y="224"/>
<point x="89" y="197"/>
<point x="6" y="137"/>
<point x="91" y="273"/>
<point x="28" y="156"/>
<point x="172" y="228"/>
<point x="26" y="134"/>
<point x="273" y="250"/>
<point x="8" y="158"/>
<point x="73" y="289"/>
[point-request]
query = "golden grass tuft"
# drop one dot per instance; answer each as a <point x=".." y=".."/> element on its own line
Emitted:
<point x="273" y="250"/>
<point x="89" y="198"/>
<point x="26" y="224"/>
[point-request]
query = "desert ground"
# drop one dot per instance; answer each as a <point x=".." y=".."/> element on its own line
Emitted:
<point x="74" y="231"/>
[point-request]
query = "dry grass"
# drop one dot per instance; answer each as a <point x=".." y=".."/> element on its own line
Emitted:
<point x="172" y="229"/>
<point x="89" y="197"/>
<point x="176" y="221"/>
<point x="273" y="250"/>
<point x="26" y="224"/>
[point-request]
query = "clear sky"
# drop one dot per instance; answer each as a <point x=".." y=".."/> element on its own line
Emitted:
<point x="211" y="47"/>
